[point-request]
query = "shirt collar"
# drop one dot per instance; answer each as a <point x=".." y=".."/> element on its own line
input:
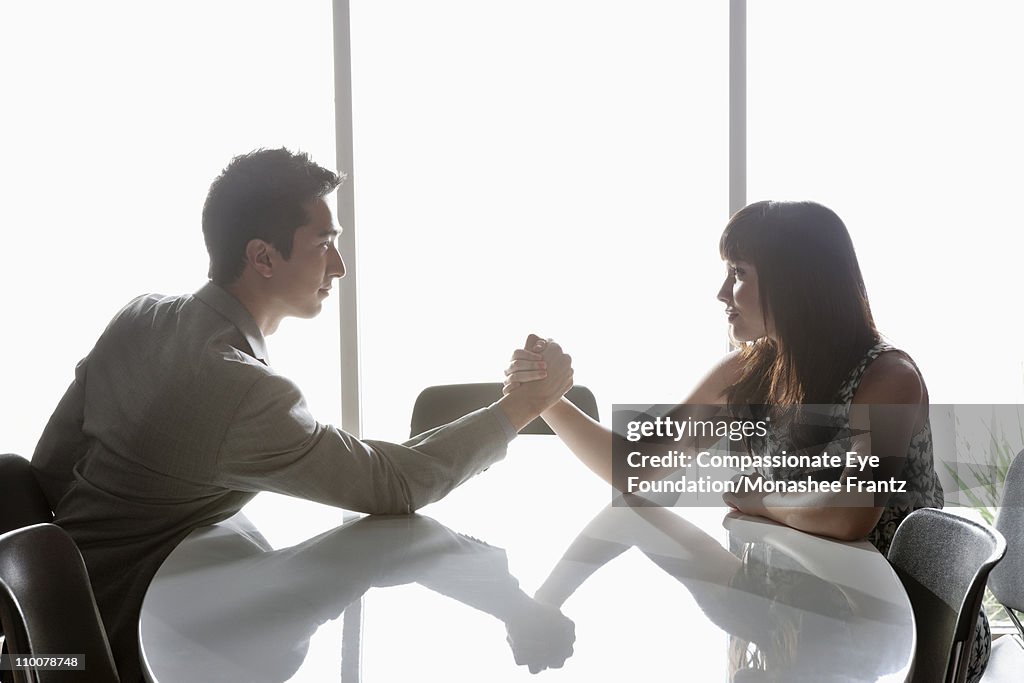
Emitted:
<point x="231" y="308"/>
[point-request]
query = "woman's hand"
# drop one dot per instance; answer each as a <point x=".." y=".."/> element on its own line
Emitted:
<point x="527" y="364"/>
<point x="745" y="499"/>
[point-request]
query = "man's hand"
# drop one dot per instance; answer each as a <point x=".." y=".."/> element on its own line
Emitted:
<point x="527" y="364"/>
<point x="551" y="376"/>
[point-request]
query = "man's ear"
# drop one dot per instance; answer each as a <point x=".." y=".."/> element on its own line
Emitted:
<point x="261" y="256"/>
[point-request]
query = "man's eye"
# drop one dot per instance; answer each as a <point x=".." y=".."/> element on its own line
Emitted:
<point x="738" y="273"/>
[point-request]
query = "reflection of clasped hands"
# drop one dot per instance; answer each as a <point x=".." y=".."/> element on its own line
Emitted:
<point x="536" y="378"/>
<point x="541" y="637"/>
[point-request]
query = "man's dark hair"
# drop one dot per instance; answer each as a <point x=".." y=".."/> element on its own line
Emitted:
<point x="260" y="195"/>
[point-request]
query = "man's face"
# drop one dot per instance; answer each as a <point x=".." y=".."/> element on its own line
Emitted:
<point x="303" y="281"/>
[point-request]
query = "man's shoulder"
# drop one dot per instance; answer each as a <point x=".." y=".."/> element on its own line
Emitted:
<point x="183" y="331"/>
<point x="146" y="305"/>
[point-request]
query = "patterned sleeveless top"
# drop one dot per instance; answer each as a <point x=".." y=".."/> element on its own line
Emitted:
<point x="923" y="488"/>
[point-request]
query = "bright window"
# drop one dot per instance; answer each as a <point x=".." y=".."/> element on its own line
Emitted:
<point x="906" y="119"/>
<point x="549" y="167"/>
<point x="116" y="118"/>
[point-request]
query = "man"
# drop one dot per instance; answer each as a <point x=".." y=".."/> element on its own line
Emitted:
<point x="175" y="419"/>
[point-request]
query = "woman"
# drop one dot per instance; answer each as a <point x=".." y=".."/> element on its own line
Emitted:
<point x="798" y="312"/>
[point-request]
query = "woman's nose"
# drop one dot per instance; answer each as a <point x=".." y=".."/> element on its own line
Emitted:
<point x="725" y="293"/>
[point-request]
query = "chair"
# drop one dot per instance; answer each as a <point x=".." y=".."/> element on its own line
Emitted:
<point x="21" y="499"/>
<point x="943" y="561"/>
<point x="1007" y="580"/>
<point x="47" y="605"/>
<point x="440" y="405"/>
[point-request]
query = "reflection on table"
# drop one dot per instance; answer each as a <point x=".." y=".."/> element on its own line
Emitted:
<point x="293" y="591"/>
<point x="790" y="616"/>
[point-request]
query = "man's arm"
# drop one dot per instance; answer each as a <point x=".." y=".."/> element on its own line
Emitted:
<point x="62" y="443"/>
<point x="274" y="444"/>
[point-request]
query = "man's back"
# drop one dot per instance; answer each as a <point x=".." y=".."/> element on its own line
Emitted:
<point x="136" y="438"/>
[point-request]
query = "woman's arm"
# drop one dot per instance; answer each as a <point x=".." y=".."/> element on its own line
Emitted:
<point x="890" y="406"/>
<point x="592" y="442"/>
<point x="841" y="523"/>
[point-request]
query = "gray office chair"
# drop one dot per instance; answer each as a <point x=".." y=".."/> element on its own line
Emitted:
<point x="21" y="500"/>
<point x="1006" y="582"/>
<point x="47" y="605"/>
<point x="440" y="405"/>
<point x="944" y="561"/>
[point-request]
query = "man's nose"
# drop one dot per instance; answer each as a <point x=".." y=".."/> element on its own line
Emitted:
<point x="336" y="266"/>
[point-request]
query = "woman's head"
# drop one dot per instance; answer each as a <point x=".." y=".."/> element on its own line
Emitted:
<point x="795" y="290"/>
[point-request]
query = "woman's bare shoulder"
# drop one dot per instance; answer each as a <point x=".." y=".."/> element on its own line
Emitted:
<point x="891" y="378"/>
<point x="722" y="375"/>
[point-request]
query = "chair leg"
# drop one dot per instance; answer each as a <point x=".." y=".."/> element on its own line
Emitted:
<point x="1015" y="620"/>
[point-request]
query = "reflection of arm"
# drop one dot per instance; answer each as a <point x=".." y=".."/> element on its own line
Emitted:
<point x="684" y="551"/>
<point x="698" y="556"/>
<point x="470" y="571"/>
<point x="592" y="443"/>
<point x="274" y="444"/>
<point x="62" y="443"/>
<point x="477" y="575"/>
<point x="581" y="559"/>
<point x="338" y="566"/>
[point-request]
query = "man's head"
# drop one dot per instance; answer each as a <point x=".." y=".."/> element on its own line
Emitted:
<point x="263" y="195"/>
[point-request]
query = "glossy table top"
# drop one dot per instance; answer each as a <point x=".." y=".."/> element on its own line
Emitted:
<point x="525" y="568"/>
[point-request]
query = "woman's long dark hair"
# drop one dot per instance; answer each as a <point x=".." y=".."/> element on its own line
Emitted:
<point x="811" y="288"/>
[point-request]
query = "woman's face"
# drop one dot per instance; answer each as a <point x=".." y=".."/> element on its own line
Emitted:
<point x="743" y="302"/>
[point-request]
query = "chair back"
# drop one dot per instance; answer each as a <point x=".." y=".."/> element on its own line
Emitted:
<point x="1007" y="580"/>
<point x="47" y="606"/>
<point x="944" y="561"/>
<point x="439" y="405"/>
<point x="21" y="499"/>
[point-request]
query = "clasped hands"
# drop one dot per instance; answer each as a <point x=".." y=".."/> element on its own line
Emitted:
<point x="540" y="370"/>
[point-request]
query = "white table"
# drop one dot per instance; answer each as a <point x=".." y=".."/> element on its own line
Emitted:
<point x="290" y="590"/>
